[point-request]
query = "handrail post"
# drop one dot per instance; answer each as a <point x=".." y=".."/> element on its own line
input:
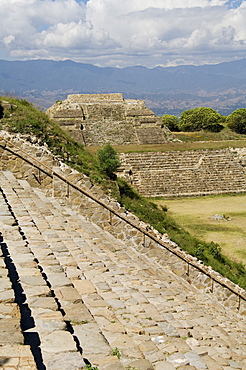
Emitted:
<point x="53" y="183"/>
<point x="239" y="302"/>
<point x="188" y="268"/>
<point x="212" y="284"/>
<point x="67" y="191"/>
<point x="39" y="176"/>
<point x="110" y="217"/>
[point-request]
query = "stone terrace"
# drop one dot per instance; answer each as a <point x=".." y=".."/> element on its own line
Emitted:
<point x="186" y="173"/>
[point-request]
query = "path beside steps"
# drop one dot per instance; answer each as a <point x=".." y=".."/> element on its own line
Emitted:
<point x="82" y="297"/>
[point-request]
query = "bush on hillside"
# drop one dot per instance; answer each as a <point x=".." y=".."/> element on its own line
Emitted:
<point x="108" y="160"/>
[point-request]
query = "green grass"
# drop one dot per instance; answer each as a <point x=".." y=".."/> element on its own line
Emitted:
<point x="24" y="118"/>
<point x="90" y="367"/>
<point x="116" y="352"/>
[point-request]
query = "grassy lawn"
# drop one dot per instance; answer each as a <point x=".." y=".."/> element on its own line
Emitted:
<point x="196" y="216"/>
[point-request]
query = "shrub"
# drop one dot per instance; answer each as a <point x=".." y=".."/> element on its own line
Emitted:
<point x="108" y="160"/>
<point x="172" y="122"/>
<point x="202" y="118"/>
<point x="237" y="121"/>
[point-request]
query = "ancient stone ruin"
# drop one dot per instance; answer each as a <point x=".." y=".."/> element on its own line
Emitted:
<point x="96" y="119"/>
<point x="185" y="173"/>
<point x="87" y="285"/>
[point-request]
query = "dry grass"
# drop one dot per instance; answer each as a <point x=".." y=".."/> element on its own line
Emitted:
<point x="186" y="145"/>
<point x="196" y="216"/>
<point x="189" y="141"/>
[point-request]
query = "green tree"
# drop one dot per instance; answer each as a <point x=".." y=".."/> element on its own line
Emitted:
<point x="108" y="160"/>
<point x="172" y="122"/>
<point x="202" y="118"/>
<point x="237" y="121"/>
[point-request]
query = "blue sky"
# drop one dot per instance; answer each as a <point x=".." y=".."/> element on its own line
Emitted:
<point x="123" y="33"/>
<point x="233" y="3"/>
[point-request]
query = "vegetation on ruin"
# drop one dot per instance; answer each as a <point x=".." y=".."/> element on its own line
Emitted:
<point x="22" y="117"/>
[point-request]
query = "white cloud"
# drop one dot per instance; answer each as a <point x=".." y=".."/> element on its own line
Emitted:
<point x="74" y="35"/>
<point x="8" y="39"/>
<point x="120" y="33"/>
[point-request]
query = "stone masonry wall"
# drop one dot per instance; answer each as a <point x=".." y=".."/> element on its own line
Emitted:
<point x="167" y="253"/>
<point x="187" y="173"/>
<point x="89" y="98"/>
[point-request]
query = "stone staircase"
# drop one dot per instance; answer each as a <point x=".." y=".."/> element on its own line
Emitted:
<point x="186" y="173"/>
<point x="150" y="135"/>
<point x="85" y="298"/>
<point x="108" y="131"/>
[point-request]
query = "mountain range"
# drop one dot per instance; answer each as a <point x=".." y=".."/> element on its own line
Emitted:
<point x="165" y="89"/>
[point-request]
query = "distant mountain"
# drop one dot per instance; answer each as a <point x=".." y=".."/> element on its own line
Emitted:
<point x="165" y="90"/>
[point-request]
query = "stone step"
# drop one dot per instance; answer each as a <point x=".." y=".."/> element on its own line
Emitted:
<point x="56" y="341"/>
<point x="150" y="135"/>
<point x="131" y="305"/>
<point x="14" y="353"/>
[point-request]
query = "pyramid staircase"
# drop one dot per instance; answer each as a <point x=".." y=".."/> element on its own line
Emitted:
<point x="86" y="299"/>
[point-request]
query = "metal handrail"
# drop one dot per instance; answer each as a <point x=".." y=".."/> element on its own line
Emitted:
<point x="46" y="169"/>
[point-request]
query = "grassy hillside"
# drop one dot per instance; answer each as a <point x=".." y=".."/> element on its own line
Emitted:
<point x="20" y="116"/>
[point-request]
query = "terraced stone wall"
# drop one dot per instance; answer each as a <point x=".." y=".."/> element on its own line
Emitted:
<point x="97" y="119"/>
<point x="185" y="173"/>
<point x="114" y="219"/>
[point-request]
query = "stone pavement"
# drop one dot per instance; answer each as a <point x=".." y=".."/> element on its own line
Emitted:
<point x="73" y="295"/>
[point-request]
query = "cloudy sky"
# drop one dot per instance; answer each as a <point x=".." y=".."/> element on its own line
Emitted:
<point x="120" y="33"/>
